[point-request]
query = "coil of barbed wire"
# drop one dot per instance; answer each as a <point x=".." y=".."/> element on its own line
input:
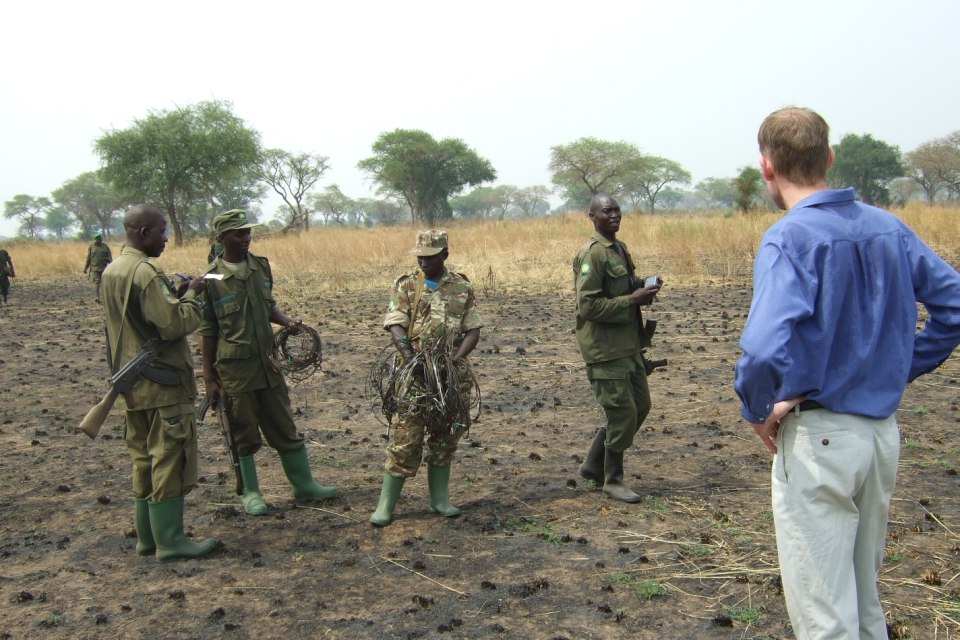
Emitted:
<point x="428" y="387"/>
<point x="297" y="355"/>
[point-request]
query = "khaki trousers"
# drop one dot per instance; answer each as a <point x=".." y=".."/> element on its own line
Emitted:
<point x="265" y="410"/>
<point x="163" y="445"/>
<point x="831" y="485"/>
<point x="620" y="387"/>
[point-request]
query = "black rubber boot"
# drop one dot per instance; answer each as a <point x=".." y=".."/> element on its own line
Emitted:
<point x="592" y="467"/>
<point x="613" y="485"/>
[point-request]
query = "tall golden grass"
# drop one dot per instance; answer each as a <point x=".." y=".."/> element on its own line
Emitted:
<point x="508" y="256"/>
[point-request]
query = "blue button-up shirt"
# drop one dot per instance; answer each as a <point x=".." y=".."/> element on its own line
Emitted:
<point x="834" y="312"/>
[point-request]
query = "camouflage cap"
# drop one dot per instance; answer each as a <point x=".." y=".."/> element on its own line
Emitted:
<point x="230" y="220"/>
<point x="430" y="243"/>
<point x="98" y="235"/>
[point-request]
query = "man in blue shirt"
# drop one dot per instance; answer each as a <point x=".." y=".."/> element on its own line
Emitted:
<point x="828" y="349"/>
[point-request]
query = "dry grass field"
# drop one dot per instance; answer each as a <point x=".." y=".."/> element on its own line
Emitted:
<point x="538" y="553"/>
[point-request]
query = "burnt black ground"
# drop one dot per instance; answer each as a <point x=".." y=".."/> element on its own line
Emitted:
<point x="536" y="553"/>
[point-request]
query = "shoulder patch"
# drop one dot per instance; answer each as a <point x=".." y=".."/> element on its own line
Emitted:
<point x="585" y="268"/>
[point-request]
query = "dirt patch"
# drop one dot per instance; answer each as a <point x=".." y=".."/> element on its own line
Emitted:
<point x="537" y="552"/>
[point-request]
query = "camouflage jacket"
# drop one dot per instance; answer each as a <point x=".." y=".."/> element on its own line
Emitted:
<point x="153" y="311"/>
<point x="608" y="327"/>
<point x="98" y="257"/>
<point x="451" y="307"/>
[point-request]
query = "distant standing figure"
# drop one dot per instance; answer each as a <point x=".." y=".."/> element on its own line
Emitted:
<point x="6" y="272"/>
<point x="828" y="349"/>
<point x="611" y="335"/>
<point x="98" y="257"/>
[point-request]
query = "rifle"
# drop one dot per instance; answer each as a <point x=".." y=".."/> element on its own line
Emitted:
<point x="122" y="382"/>
<point x="649" y="366"/>
<point x="220" y="408"/>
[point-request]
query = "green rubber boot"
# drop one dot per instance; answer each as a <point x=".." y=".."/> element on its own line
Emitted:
<point x="389" y="494"/>
<point x="297" y="468"/>
<point x="613" y="485"/>
<point x="145" y="544"/>
<point x="253" y="502"/>
<point x="166" y="522"/>
<point x="439" y="480"/>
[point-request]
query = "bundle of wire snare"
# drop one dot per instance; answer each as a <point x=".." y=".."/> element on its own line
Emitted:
<point x="296" y="355"/>
<point x="428" y="388"/>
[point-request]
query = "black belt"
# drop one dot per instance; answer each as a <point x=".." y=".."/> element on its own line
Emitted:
<point x="809" y="405"/>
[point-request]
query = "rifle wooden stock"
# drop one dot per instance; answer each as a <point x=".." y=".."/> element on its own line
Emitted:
<point x="95" y="418"/>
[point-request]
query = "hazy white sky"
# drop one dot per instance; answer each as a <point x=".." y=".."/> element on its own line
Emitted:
<point x="689" y="80"/>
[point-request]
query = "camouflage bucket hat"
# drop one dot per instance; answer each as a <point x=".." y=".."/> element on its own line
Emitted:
<point x="230" y="220"/>
<point x="430" y="243"/>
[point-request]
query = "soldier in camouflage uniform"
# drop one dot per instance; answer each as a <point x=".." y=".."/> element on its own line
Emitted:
<point x="610" y="334"/>
<point x="98" y="257"/>
<point x="425" y="304"/>
<point x="139" y="304"/>
<point x="236" y="345"/>
<point x="6" y="272"/>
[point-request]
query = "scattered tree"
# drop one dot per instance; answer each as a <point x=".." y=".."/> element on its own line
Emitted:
<point x="386" y="212"/>
<point x="334" y="206"/>
<point x="180" y="158"/>
<point x="424" y="172"/>
<point x="292" y="176"/>
<point x="92" y="202"/>
<point x="588" y="166"/>
<point x="29" y="211"/>
<point x="655" y="173"/>
<point x="57" y="221"/>
<point x="748" y="185"/>
<point x="866" y="164"/>
<point x="531" y="200"/>
<point x="716" y="193"/>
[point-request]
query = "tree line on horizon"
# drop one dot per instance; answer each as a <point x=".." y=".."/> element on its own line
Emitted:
<point x="196" y="161"/>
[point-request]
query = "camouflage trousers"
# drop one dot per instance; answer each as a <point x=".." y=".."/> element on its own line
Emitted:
<point x="415" y="428"/>
<point x="163" y="445"/>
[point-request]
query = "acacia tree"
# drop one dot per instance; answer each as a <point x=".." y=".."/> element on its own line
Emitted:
<point x="530" y="199"/>
<point x="424" y="172"/>
<point x="645" y="184"/>
<point x="478" y="203"/>
<point x="57" y="221"/>
<point x="716" y="193"/>
<point x="334" y="206"/>
<point x="292" y="176"/>
<point x="386" y="212"/>
<point x="92" y="203"/>
<point x="866" y="164"/>
<point x="587" y="166"/>
<point x="29" y="211"/>
<point x="929" y="166"/>
<point x="180" y="158"/>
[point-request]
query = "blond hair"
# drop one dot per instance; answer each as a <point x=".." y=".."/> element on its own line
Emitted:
<point x="796" y="141"/>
